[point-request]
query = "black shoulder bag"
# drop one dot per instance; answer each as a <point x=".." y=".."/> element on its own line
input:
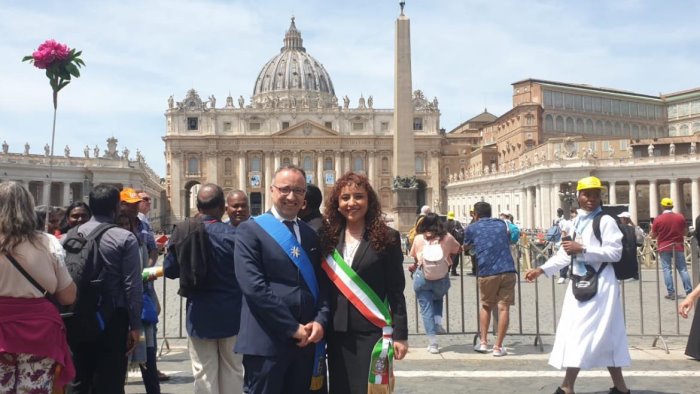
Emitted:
<point x="585" y="286"/>
<point x="31" y="280"/>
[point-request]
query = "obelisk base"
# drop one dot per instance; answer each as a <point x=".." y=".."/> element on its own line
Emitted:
<point x="405" y="208"/>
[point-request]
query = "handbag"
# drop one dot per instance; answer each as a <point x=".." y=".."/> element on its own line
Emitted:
<point x="149" y="312"/>
<point x="585" y="287"/>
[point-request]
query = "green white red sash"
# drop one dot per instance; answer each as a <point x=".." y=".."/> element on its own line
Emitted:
<point x="358" y="292"/>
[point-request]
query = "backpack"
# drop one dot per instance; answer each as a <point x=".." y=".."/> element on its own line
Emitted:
<point x="413" y="231"/>
<point x="456" y="230"/>
<point x="434" y="264"/>
<point x="192" y="249"/>
<point x="514" y="232"/>
<point x="87" y="317"/>
<point x="553" y="233"/>
<point x="627" y="267"/>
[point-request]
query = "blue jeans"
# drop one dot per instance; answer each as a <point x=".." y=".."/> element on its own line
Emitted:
<point x="666" y="258"/>
<point x="430" y="295"/>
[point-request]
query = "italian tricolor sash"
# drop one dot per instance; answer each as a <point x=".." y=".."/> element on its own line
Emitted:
<point x="358" y="292"/>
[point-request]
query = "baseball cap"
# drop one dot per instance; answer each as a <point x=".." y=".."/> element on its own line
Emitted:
<point x="624" y="215"/>
<point x="129" y="195"/>
<point x="451" y="215"/>
<point x="666" y="202"/>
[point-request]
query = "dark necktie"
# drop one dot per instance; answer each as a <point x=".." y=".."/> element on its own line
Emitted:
<point x="290" y="226"/>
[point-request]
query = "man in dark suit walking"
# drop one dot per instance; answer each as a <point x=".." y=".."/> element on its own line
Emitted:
<point x="285" y="305"/>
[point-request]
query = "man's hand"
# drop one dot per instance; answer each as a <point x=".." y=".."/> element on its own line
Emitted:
<point x="532" y="274"/>
<point x="302" y="336"/>
<point x="132" y="340"/>
<point x="400" y="349"/>
<point x="572" y="247"/>
<point x="315" y="330"/>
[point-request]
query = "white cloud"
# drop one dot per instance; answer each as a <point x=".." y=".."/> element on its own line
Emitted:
<point x="467" y="53"/>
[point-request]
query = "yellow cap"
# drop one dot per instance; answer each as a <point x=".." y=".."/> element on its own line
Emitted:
<point x="590" y="182"/>
<point x="451" y="215"/>
<point x="666" y="202"/>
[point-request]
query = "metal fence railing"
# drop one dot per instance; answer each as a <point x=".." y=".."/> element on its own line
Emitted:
<point x="537" y="305"/>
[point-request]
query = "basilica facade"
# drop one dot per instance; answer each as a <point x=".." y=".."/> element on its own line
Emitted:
<point x="295" y="117"/>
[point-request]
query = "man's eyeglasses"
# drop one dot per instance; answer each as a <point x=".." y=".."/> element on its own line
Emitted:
<point x="285" y="190"/>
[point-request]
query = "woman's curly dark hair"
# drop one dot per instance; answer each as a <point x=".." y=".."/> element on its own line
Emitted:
<point x="378" y="233"/>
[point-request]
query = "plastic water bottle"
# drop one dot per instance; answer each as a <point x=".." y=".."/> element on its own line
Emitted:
<point x="152" y="271"/>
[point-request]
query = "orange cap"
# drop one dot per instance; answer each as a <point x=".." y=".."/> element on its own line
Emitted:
<point x="129" y="195"/>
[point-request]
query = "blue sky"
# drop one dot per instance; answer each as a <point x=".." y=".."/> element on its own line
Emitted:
<point x="465" y="52"/>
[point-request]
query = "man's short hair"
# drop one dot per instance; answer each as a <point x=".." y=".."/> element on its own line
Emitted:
<point x="560" y="212"/>
<point x="482" y="209"/>
<point x="217" y="199"/>
<point x="425" y="209"/>
<point x="313" y="197"/>
<point x="104" y="199"/>
<point x="234" y="192"/>
<point x="290" y="167"/>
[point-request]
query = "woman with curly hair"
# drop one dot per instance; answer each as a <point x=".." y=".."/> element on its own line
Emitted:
<point x="368" y="327"/>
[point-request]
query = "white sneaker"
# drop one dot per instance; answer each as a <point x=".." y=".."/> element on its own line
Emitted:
<point x="561" y="281"/>
<point x="482" y="347"/>
<point x="433" y="349"/>
<point x="499" y="351"/>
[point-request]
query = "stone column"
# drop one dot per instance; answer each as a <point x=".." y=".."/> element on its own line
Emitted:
<point x="176" y="187"/>
<point x="338" y="165"/>
<point x="66" y="194"/>
<point x="371" y="168"/>
<point x="538" y="206"/>
<point x="295" y="157"/>
<point x="212" y="167"/>
<point x="319" y="170"/>
<point x="530" y="207"/>
<point x="653" y="199"/>
<point x="268" y="181"/>
<point x="46" y="194"/>
<point x="612" y="194"/>
<point x="277" y="160"/>
<point x="547" y="206"/>
<point x="242" y="177"/>
<point x="521" y="214"/>
<point x="675" y="196"/>
<point x="347" y="157"/>
<point x="633" y="201"/>
<point x="694" y="200"/>
<point x="435" y="177"/>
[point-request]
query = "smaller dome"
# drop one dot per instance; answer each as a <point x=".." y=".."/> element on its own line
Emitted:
<point x="293" y="73"/>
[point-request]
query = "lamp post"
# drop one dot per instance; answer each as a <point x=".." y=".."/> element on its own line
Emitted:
<point x="568" y="195"/>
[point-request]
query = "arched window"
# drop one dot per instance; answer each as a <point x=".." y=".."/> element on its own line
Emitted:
<point x="228" y="166"/>
<point x="328" y="164"/>
<point x="608" y="128"/>
<point x="549" y="123"/>
<point x="358" y="164"/>
<point x="599" y="127"/>
<point x="696" y="127"/>
<point x="685" y="130"/>
<point x="385" y="164"/>
<point x="579" y="125"/>
<point x="589" y="126"/>
<point x="286" y="161"/>
<point x="255" y="164"/>
<point x="420" y="164"/>
<point x="559" y="124"/>
<point x="618" y="129"/>
<point x="635" y="131"/>
<point x="193" y="166"/>
<point x="569" y="125"/>
<point x="308" y="164"/>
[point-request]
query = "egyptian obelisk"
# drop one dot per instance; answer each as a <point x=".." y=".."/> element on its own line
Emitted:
<point x="403" y="164"/>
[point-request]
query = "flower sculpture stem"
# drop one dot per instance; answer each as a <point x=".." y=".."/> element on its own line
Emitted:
<point x="61" y="64"/>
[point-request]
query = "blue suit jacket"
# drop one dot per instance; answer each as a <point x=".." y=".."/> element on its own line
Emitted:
<point x="276" y="298"/>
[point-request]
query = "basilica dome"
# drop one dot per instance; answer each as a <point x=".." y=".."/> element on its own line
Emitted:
<point x="293" y="75"/>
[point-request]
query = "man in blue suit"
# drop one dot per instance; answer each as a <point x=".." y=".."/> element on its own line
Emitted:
<point x="285" y="306"/>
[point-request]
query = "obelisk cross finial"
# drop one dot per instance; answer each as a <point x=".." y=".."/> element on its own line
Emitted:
<point x="402" y="4"/>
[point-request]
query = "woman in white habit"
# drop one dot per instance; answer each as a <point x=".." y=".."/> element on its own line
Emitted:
<point x="590" y="334"/>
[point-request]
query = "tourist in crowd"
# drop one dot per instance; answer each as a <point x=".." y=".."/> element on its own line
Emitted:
<point x="76" y="214"/>
<point x="455" y="228"/>
<point x="33" y="348"/>
<point x="431" y="280"/>
<point x="489" y="239"/>
<point x="54" y="222"/>
<point x="669" y="229"/>
<point x="566" y="230"/>
<point x="310" y="212"/>
<point x="692" y="349"/>
<point x="590" y="334"/>
<point x="356" y="240"/>
<point x="214" y="306"/>
<point x="237" y="207"/>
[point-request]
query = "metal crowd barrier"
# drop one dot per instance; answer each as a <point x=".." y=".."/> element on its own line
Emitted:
<point x="537" y="304"/>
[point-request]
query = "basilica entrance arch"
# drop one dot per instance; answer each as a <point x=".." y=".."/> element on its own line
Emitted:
<point x="191" y="190"/>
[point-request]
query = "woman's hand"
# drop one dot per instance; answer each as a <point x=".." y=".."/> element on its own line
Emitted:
<point x="400" y="349"/>
<point x="532" y="274"/>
